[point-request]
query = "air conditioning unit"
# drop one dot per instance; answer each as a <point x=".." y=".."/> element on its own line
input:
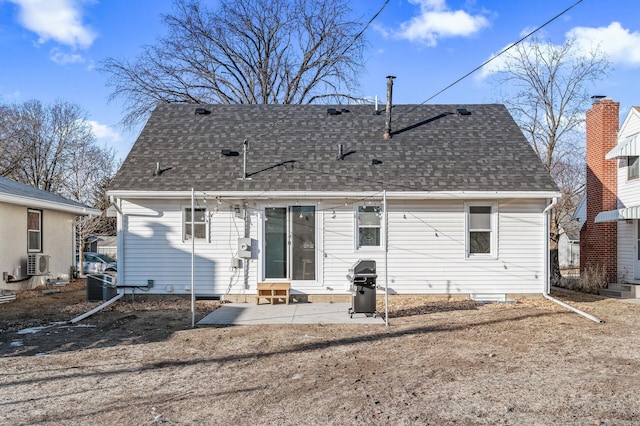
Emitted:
<point x="101" y="287"/>
<point x="38" y="264"/>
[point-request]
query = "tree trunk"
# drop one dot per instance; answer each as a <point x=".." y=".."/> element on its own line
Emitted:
<point x="554" y="267"/>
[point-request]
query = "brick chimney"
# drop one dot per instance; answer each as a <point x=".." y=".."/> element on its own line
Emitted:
<point x="598" y="241"/>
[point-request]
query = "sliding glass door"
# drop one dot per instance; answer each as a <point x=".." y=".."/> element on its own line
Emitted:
<point x="290" y="243"/>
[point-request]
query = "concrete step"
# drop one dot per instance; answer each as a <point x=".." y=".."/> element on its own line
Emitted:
<point x="621" y="287"/>
<point x="621" y="291"/>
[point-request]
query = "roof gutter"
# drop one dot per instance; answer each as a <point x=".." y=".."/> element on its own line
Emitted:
<point x="308" y="195"/>
<point x="50" y="205"/>
<point x="547" y="278"/>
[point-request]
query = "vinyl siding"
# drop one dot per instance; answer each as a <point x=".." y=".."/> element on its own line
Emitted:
<point x="153" y="249"/>
<point x="426" y="250"/>
<point x="626" y="251"/>
<point x="628" y="190"/>
<point x="628" y="195"/>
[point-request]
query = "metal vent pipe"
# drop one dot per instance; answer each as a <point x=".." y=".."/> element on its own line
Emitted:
<point x="387" y="124"/>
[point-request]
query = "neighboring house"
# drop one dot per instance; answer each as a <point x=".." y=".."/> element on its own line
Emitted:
<point x="569" y="245"/>
<point x="465" y="196"/>
<point x="108" y="245"/>
<point x="37" y="235"/>
<point x="103" y="244"/>
<point x="611" y="231"/>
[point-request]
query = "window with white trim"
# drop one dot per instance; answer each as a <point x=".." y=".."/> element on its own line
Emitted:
<point x="632" y="168"/>
<point x="200" y="224"/>
<point x="34" y="231"/>
<point x="369" y="226"/>
<point x="481" y="230"/>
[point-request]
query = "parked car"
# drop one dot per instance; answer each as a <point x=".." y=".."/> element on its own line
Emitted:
<point x="97" y="263"/>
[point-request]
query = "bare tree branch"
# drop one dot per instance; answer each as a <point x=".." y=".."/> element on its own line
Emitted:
<point x="52" y="147"/>
<point x="545" y="88"/>
<point x="245" y="51"/>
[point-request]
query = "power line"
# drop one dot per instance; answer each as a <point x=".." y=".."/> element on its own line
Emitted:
<point x="499" y="54"/>
<point x="355" y="38"/>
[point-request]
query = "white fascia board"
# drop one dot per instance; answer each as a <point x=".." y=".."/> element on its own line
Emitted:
<point x="306" y="195"/>
<point x="49" y="205"/>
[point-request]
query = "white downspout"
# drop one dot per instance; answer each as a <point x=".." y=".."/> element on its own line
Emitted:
<point x="119" y="239"/>
<point x="547" y="277"/>
<point x="96" y="309"/>
<point x="193" y="253"/>
<point x="386" y="259"/>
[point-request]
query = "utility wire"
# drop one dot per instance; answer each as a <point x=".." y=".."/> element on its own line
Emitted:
<point x="427" y="100"/>
<point x="499" y="54"/>
<point x="355" y="38"/>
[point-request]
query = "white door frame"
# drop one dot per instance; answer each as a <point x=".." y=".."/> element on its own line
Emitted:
<point x="318" y="213"/>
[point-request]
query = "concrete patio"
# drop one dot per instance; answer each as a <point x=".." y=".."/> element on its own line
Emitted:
<point x="294" y="313"/>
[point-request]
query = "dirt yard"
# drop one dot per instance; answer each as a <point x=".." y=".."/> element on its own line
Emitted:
<point x="440" y="362"/>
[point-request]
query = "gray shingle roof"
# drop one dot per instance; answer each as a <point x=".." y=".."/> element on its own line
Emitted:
<point x="432" y="149"/>
<point x="10" y="188"/>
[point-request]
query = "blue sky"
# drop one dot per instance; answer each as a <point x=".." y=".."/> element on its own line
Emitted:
<point x="52" y="49"/>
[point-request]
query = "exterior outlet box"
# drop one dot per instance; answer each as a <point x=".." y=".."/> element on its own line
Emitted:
<point x="244" y="248"/>
<point x="150" y="283"/>
<point x="236" y="263"/>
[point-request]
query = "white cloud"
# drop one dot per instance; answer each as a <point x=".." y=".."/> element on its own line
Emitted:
<point x="496" y="64"/>
<point x="58" y="20"/>
<point x="105" y="133"/>
<point x="11" y="96"/>
<point x="62" y="58"/>
<point x="437" y="21"/>
<point x="619" y="44"/>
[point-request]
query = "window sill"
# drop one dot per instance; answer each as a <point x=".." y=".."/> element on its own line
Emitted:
<point x="476" y="257"/>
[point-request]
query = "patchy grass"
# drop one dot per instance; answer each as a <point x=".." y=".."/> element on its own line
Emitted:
<point x="440" y="362"/>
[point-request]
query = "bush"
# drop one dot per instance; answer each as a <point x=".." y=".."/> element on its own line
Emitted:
<point x="591" y="279"/>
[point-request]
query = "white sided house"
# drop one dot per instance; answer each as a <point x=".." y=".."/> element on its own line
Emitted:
<point x="452" y="201"/>
<point x="37" y="235"/>
<point x="613" y="198"/>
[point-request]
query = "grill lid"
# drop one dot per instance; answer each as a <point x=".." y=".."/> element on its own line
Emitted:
<point x="364" y="267"/>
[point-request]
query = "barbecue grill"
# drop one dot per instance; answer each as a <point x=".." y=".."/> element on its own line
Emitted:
<point x="362" y="276"/>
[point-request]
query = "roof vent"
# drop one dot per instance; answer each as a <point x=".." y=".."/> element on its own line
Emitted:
<point x="202" y="111"/>
<point x="463" y="111"/>
<point x="159" y="171"/>
<point x="230" y="153"/>
<point x="375" y="161"/>
<point x="333" y="111"/>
